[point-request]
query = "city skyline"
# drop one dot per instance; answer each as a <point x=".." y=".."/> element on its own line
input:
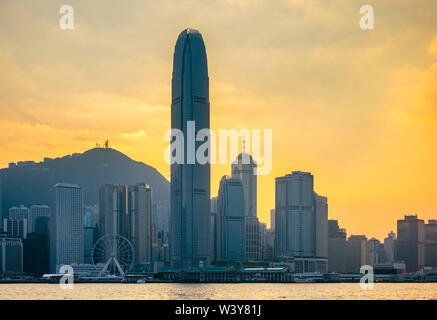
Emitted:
<point x="366" y="135"/>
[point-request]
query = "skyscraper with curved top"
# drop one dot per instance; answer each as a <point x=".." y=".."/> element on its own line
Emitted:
<point x="190" y="181"/>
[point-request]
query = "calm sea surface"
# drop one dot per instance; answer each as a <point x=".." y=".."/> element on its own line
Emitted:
<point x="159" y="291"/>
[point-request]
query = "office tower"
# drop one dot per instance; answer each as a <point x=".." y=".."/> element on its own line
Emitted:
<point x="140" y="210"/>
<point x="411" y="243"/>
<point x="295" y="215"/>
<point x="15" y="228"/>
<point x="374" y="247"/>
<point x="253" y="245"/>
<point x="214" y="238"/>
<point x="231" y="220"/>
<point x="37" y="211"/>
<point x="272" y="219"/>
<point x="245" y="166"/>
<point x="113" y="210"/>
<point x="20" y="212"/>
<point x="190" y="181"/>
<point x="263" y="239"/>
<point x="66" y="225"/>
<point x="269" y="245"/>
<point x="36" y="250"/>
<point x="357" y="253"/>
<point x="11" y="256"/>
<point x="42" y="225"/>
<point x="390" y="247"/>
<point x="431" y="243"/>
<point x="127" y="211"/>
<point x="337" y="247"/>
<point x="90" y="237"/>
<point x="36" y="254"/>
<point x="91" y="216"/>
<point x="321" y="226"/>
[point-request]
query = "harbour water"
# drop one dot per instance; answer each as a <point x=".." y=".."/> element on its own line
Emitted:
<point x="239" y="291"/>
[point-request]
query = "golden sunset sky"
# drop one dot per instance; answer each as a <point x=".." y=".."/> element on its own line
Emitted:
<point x="356" y="108"/>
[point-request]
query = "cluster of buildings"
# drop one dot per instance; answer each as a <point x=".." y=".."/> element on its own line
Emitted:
<point x="40" y="239"/>
<point x="221" y="233"/>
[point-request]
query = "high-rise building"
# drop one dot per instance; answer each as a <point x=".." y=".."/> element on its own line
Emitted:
<point x="113" y="210"/>
<point x="140" y="207"/>
<point x="36" y="254"/>
<point x="127" y="211"/>
<point x="66" y="225"/>
<point x="11" y="256"/>
<point x="245" y="166"/>
<point x="42" y="225"/>
<point x="15" y="228"/>
<point x="90" y="237"/>
<point x="295" y="215"/>
<point x="272" y="219"/>
<point x="337" y="248"/>
<point x="301" y="222"/>
<point x="20" y="212"/>
<point x="253" y="241"/>
<point x="375" y="256"/>
<point x="35" y="212"/>
<point x="91" y="216"/>
<point x="411" y="243"/>
<point x="357" y="253"/>
<point x="214" y="237"/>
<point x="231" y="220"/>
<point x="321" y="231"/>
<point x="390" y="247"/>
<point x="190" y="180"/>
<point x="431" y="243"/>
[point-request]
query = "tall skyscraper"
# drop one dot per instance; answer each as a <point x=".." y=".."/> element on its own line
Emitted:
<point x="390" y="247"/>
<point x="214" y="237"/>
<point x="431" y="243"/>
<point x="357" y="253"/>
<point x="11" y="256"/>
<point x="375" y="256"/>
<point x="190" y="183"/>
<point x="295" y="215"/>
<point x="272" y="219"/>
<point x="321" y="208"/>
<point x="301" y="222"/>
<point x="337" y="247"/>
<point x="127" y="211"/>
<point x="245" y="166"/>
<point x="140" y="207"/>
<point x="37" y="211"/>
<point x="113" y="210"/>
<point x="411" y="243"/>
<point x="66" y="225"/>
<point x="231" y="220"/>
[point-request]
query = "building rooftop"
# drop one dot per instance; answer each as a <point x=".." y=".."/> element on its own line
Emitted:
<point x="66" y="185"/>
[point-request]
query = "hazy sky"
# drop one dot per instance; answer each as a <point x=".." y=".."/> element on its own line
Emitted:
<point x="356" y="108"/>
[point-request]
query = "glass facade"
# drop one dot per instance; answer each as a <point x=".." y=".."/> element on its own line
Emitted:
<point x="190" y="183"/>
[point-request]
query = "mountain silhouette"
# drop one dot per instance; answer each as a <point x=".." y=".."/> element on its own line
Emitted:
<point x="30" y="183"/>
